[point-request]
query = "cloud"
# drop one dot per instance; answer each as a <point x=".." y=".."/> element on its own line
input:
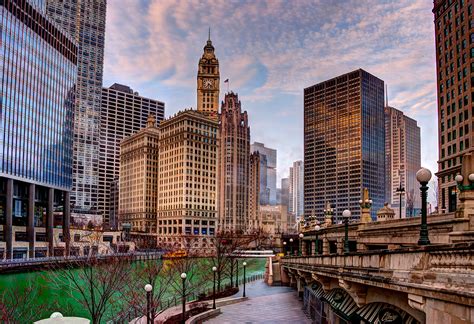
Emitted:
<point x="271" y="51"/>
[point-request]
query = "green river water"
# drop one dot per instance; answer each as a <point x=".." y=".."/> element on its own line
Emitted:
<point x="60" y="297"/>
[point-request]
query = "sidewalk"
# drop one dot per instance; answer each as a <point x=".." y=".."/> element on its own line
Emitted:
<point x="265" y="305"/>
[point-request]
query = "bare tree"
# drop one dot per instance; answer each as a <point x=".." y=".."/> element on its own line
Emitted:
<point x="97" y="284"/>
<point x="20" y="305"/>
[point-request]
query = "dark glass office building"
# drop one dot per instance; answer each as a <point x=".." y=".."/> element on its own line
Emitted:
<point x="38" y="77"/>
<point x="344" y="145"/>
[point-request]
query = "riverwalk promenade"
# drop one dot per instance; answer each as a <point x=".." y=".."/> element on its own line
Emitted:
<point x="265" y="304"/>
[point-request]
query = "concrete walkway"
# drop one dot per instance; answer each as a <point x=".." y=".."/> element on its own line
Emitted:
<point x="265" y="305"/>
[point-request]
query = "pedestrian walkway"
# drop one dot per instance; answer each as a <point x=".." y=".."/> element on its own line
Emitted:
<point x="265" y="305"/>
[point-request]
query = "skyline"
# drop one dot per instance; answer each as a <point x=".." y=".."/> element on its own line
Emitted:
<point x="158" y="52"/>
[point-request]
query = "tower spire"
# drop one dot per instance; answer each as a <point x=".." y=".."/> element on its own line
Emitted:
<point x="386" y="95"/>
<point x="209" y="36"/>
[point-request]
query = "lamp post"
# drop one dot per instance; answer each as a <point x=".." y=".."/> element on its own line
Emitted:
<point x="316" y="248"/>
<point x="423" y="176"/>
<point x="183" y="315"/>
<point x="148" y="289"/>
<point x="300" y="252"/>
<point x="346" y="214"/>
<point x="400" y="191"/>
<point x="214" y="270"/>
<point x="291" y="246"/>
<point x="245" y="265"/>
<point x="284" y="248"/>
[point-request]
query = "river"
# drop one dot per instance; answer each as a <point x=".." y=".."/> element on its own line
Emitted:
<point x="52" y="296"/>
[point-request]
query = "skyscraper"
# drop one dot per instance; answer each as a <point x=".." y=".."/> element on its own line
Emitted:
<point x="454" y="28"/>
<point x="234" y="154"/>
<point x="208" y="81"/>
<point x="403" y="160"/>
<point x="254" y="191"/>
<point x="123" y="113"/>
<point x="187" y="177"/>
<point x="84" y="21"/>
<point x="344" y="148"/>
<point x="296" y="189"/>
<point x="268" y="163"/>
<point x="285" y="192"/>
<point x="38" y="79"/>
<point x="138" y="179"/>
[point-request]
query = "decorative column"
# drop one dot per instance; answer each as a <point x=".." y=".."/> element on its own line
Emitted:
<point x="325" y="246"/>
<point x="30" y="229"/>
<point x="328" y="214"/>
<point x="49" y="222"/>
<point x="365" y="205"/>
<point x="9" y="221"/>
<point x="465" y="182"/>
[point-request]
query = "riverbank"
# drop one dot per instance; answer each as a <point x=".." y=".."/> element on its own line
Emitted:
<point x="59" y="297"/>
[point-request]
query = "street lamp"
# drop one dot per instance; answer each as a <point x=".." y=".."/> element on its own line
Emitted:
<point x="423" y="176"/>
<point x="245" y="265"/>
<point x="148" y="289"/>
<point x="316" y="248"/>
<point x="214" y="270"/>
<point x="284" y="248"/>
<point x="291" y="246"/>
<point x="400" y="191"/>
<point x="300" y="252"/>
<point x="183" y="315"/>
<point x="346" y="214"/>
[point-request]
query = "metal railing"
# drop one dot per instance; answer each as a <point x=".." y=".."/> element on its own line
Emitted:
<point x="175" y="301"/>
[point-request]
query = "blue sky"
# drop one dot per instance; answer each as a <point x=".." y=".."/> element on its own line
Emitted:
<point x="271" y="51"/>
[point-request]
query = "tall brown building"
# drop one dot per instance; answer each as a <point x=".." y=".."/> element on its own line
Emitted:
<point x="454" y="28"/>
<point x="187" y="179"/>
<point x="138" y="179"/>
<point x="208" y="82"/>
<point x="254" y="191"/>
<point x="234" y="153"/>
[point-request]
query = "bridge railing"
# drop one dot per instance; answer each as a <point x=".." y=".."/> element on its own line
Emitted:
<point x="457" y="258"/>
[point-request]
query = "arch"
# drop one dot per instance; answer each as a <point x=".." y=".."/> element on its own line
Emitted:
<point x="378" y="312"/>
<point x="341" y="302"/>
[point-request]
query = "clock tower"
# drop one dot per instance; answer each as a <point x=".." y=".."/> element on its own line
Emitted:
<point x="208" y="81"/>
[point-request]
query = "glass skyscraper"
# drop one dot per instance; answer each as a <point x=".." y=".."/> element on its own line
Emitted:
<point x="38" y="69"/>
<point x="268" y="163"/>
<point x="344" y="148"/>
<point x="84" y="21"/>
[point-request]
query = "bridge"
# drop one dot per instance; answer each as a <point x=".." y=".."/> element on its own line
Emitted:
<point x="252" y="254"/>
<point x="375" y="271"/>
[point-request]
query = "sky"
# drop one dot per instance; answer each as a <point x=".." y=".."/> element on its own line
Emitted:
<point x="270" y="51"/>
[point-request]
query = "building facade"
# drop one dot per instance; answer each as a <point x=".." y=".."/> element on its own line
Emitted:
<point x="285" y="192"/>
<point x="344" y="148"/>
<point x="38" y="78"/>
<point x="254" y="191"/>
<point x="123" y="113"/>
<point x="234" y="155"/>
<point x="268" y="164"/>
<point x="274" y="220"/>
<point x="454" y="56"/>
<point x="187" y="177"/>
<point x="403" y="160"/>
<point x="296" y="189"/>
<point x="138" y="179"/>
<point x="208" y="82"/>
<point x="84" y="21"/>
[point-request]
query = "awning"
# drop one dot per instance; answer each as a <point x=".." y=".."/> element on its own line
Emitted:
<point x="316" y="290"/>
<point x="382" y="313"/>
<point x="341" y="302"/>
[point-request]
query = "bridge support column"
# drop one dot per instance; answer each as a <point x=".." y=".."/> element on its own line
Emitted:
<point x="300" y="286"/>
<point x="438" y="311"/>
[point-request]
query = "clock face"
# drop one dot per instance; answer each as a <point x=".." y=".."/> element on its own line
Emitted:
<point x="207" y="83"/>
